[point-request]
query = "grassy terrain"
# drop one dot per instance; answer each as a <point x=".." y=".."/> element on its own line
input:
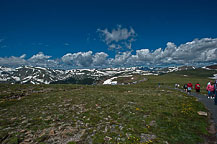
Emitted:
<point x="140" y="113"/>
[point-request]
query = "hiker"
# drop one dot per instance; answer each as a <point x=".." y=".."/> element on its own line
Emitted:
<point x="176" y="85"/>
<point x="215" y="92"/>
<point x="189" y="87"/>
<point x="185" y="87"/>
<point x="210" y="88"/>
<point x="197" y="87"/>
<point x="209" y="83"/>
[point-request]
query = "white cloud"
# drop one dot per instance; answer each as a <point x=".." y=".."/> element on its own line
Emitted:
<point x="42" y="60"/>
<point x="100" y="59"/>
<point x="199" y="51"/>
<point x="85" y="59"/>
<point x="39" y="56"/>
<point x="13" y="61"/>
<point x="119" y="38"/>
<point x="121" y="59"/>
<point x="118" y="34"/>
<point x="82" y="59"/>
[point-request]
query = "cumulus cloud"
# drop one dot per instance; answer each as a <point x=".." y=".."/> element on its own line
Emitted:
<point x="119" y="38"/>
<point x="13" y="61"/>
<point x="121" y="59"/>
<point x="85" y="59"/>
<point x="43" y="60"/>
<point x="78" y="59"/>
<point x="39" y="56"/>
<point x="100" y="59"/>
<point x="199" y="51"/>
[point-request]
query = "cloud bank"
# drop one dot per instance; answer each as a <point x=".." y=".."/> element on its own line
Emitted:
<point x="199" y="51"/>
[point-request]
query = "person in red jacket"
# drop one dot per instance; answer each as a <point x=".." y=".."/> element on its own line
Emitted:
<point x="189" y="87"/>
<point x="197" y="87"/>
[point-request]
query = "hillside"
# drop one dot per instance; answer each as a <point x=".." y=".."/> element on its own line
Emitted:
<point x="139" y="113"/>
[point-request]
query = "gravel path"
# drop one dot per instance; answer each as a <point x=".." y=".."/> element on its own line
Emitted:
<point x="209" y="103"/>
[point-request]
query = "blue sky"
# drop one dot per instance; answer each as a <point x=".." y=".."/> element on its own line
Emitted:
<point x="51" y="29"/>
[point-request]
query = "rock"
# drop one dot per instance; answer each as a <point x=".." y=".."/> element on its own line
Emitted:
<point x="12" y="119"/>
<point x="152" y="123"/>
<point x="24" y="142"/>
<point x="25" y="121"/>
<point x="107" y="138"/>
<point x="202" y="113"/>
<point x="145" y="116"/>
<point x="23" y="131"/>
<point x="67" y="105"/>
<point x="68" y="131"/>
<point x="52" y="133"/>
<point x="28" y="132"/>
<point x="42" y="134"/>
<point x="77" y="137"/>
<point x="28" y="140"/>
<point x="147" y="137"/>
<point x="48" y="118"/>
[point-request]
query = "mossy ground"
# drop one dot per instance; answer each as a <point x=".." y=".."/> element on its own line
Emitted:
<point x="138" y="113"/>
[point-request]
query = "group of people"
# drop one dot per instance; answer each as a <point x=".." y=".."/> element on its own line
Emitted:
<point x="188" y="87"/>
<point x="211" y="89"/>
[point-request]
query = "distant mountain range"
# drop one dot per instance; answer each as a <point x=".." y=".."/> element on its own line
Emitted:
<point x="213" y="67"/>
<point x="39" y="75"/>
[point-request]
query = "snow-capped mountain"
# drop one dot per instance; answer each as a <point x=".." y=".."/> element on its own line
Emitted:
<point x="176" y="68"/>
<point x="211" y="67"/>
<point x="27" y="74"/>
<point x="39" y="75"/>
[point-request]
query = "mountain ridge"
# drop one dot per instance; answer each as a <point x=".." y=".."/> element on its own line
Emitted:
<point x="40" y="75"/>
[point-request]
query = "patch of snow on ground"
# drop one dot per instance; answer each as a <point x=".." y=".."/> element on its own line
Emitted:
<point x="7" y="69"/>
<point x="3" y="79"/>
<point x="16" y="78"/>
<point x="214" y="77"/>
<point x="149" y="74"/>
<point x="32" y="82"/>
<point x="126" y="76"/>
<point x="109" y="81"/>
<point x="41" y="68"/>
<point x="28" y="77"/>
<point x="40" y="80"/>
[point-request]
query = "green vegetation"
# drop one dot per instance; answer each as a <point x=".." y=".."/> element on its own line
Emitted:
<point x="84" y="81"/>
<point x="140" y="113"/>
